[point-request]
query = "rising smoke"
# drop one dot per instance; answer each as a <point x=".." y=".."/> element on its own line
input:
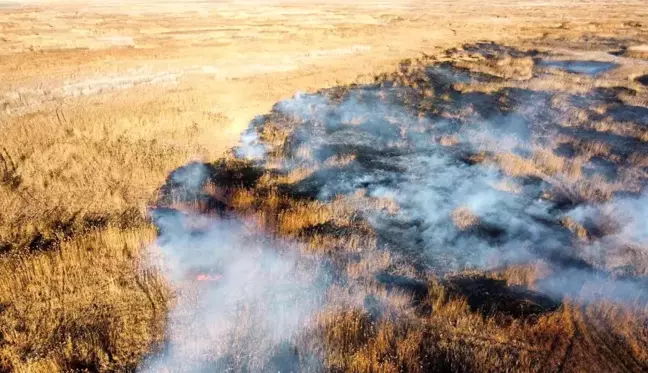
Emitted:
<point x="397" y="154"/>
<point x="452" y="215"/>
<point x="242" y="297"/>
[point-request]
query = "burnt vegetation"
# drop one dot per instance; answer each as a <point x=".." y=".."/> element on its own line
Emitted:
<point x="476" y="210"/>
<point x="388" y="183"/>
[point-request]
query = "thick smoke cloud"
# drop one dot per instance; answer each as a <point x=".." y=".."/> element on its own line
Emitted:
<point x="428" y="181"/>
<point x="242" y="297"/>
<point x="629" y="215"/>
<point x="250" y="146"/>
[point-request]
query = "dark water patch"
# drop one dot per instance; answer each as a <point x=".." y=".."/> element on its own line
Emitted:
<point x="642" y="80"/>
<point x="591" y="68"/>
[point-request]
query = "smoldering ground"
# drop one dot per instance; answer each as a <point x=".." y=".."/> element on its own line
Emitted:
<point x="478" y="181"/>
<point x="242" y="297"/>
<point x="456" y="211"/>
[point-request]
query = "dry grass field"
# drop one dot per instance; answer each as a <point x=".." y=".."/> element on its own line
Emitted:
<point x="458" y="186"/>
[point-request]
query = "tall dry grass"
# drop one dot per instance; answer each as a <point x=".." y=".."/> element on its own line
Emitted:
<point x="89" y="304"/>
<point x="75" y="293"/>
<point x="74" y="189"/>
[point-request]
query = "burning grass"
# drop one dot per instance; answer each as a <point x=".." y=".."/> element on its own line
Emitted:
<point x="475" y="210"/>
<point x="509" y="247"/>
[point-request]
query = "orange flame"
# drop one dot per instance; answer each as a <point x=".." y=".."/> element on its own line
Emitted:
<point x="207" y="277"/>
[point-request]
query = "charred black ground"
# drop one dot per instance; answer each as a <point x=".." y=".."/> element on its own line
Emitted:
<point x="489" y="183"/>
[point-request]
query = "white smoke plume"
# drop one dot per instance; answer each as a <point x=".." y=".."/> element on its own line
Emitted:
<point x="397" y="155"/>
<point x="242" y="297"/>
<point x="259" y="293"/>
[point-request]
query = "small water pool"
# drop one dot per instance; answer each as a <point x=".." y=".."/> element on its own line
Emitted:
<point x="642" y="79"/>
<point x="591" y="68"/>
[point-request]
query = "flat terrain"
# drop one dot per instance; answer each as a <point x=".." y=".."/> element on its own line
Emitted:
<point x="101" y="101"/>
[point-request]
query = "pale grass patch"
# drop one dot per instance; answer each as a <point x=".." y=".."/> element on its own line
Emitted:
<point x="557" y="83"/>
<point x="565" y="178"/>
<point x="587" y="149"/>
<point x="464" y="218"/>
<point x="508" y="186"/>
<point x="637" y="51"/>
<point x="243" y="200"/>
<point x="594" y="189"/>
<point x="448" y="140"/>
<point x="297" y="174"/>
<point x="321" y="243"/>
<point x="639" y="159"/>
<point x="515" y="166"/>
<point x="374" y="262"/>
<point x="304" y="153"/>
<point x="526" y="274"/>
<point x="308" y="214"/>
<point x="89" y="161"/>
<point x="577" y="229"/>
<point x="338" y="161"/>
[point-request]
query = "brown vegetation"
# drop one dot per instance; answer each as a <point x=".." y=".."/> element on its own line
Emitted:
<point x="78" y="171"/>
<point x="410" y="320"/>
